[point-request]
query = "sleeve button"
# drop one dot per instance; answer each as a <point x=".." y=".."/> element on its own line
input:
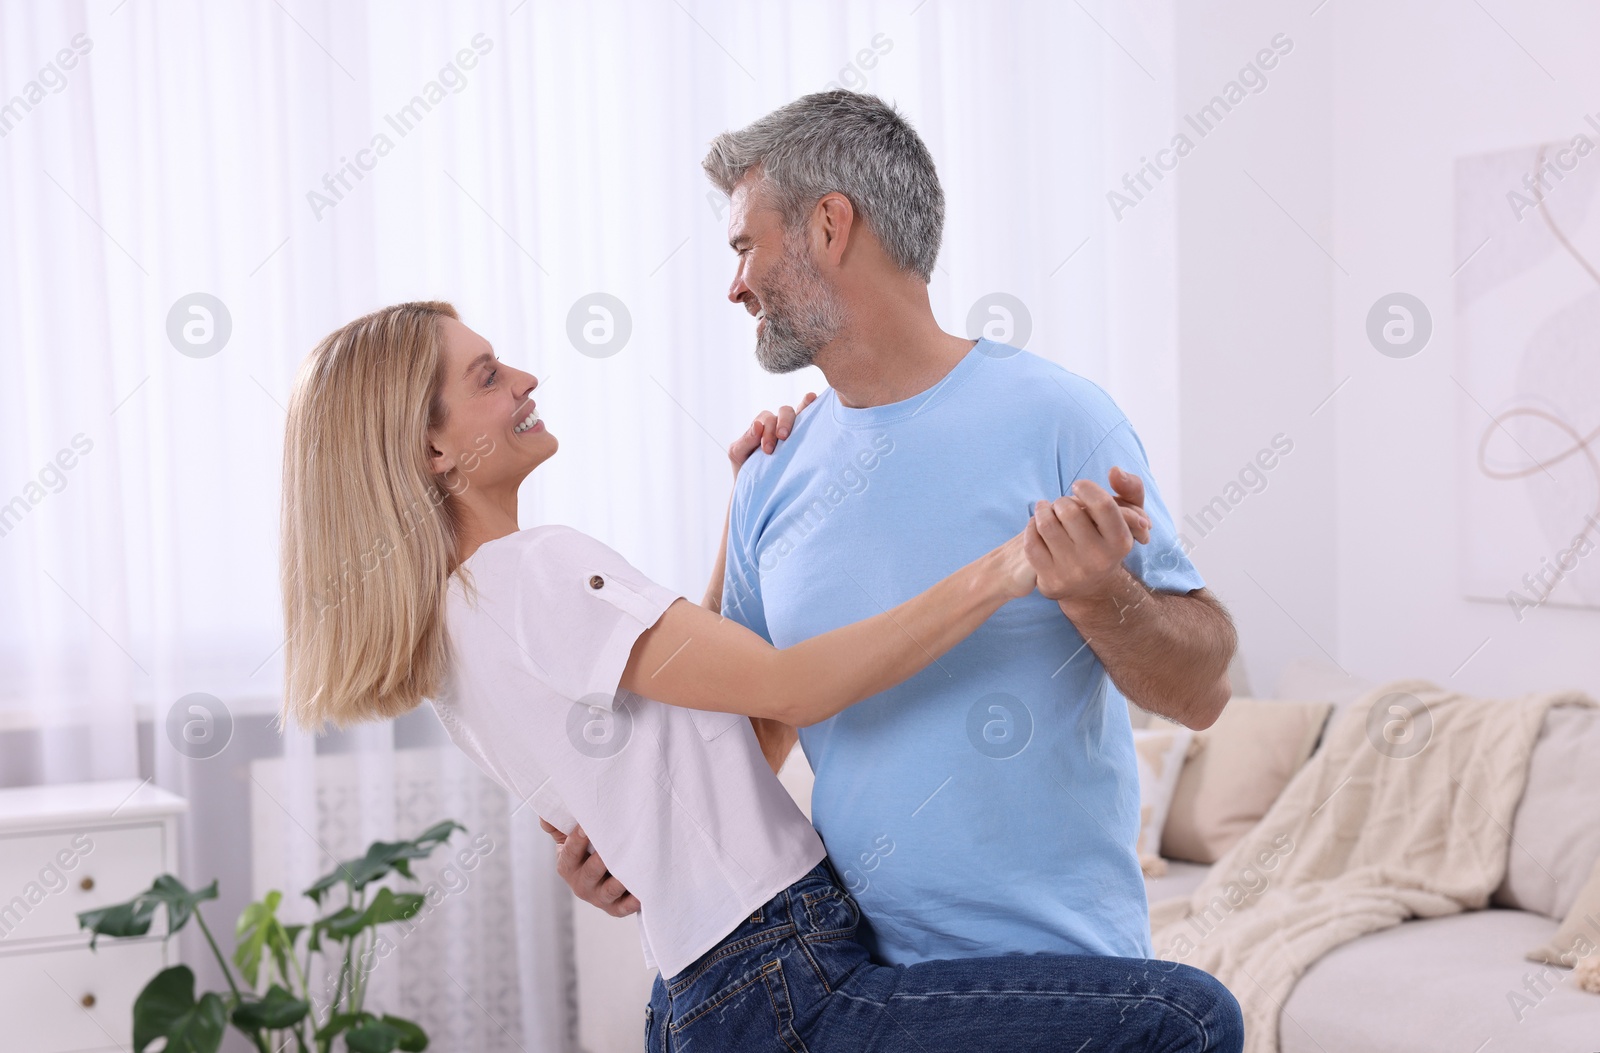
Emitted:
<point x="597" y="582"/>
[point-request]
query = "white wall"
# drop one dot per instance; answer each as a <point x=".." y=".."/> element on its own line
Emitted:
<point x="1254" y="314"/>
<point x="1356" y="535"/>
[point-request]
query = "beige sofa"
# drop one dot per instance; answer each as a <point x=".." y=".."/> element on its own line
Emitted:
<point x="1461" y="983"/>
<point x="1436" y="984"/>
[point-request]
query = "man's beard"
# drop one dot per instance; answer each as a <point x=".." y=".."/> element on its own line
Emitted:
<point x="802" y="314"/>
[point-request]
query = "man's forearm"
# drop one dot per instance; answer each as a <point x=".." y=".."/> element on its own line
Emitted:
<point x="1166" y="652"/>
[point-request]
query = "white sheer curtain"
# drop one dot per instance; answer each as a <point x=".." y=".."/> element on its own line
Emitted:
<point x="270" y="155"/>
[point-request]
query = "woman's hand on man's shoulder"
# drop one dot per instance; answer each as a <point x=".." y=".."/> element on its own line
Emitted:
<point x="766" y="431"/>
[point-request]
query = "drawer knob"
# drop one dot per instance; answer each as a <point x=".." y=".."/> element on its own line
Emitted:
<point x="88" y="1001"/>
<point x="86" y="884"/>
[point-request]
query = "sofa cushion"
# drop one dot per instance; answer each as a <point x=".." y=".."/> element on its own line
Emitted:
<point x="1579" y="935"/>
<point x="1555" y="832"/>
<point x="1457" y="983"/>
<point x="1243" y="762"/>
<point x="1160" y="753"/>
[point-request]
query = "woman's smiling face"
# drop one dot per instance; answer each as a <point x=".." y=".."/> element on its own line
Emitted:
<point x="491" y="434"/>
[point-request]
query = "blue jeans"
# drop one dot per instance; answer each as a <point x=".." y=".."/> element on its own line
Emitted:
<point x="793" y="978"/>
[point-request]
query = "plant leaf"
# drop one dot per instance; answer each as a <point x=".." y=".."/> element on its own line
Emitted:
<point x="133" y="917"/>
<point x="412" y="1038"/>
<point x="256" y="924"/>
<point x="372" y="1036"/>
<point x="341" y="924"/>
<point x="202" y="1031"/>
<point x="383" y="858"/>
<point x="274" y="1012"/>
<point x="281" y="941"/>
<point x="388" y="905"/>
<point x="123" y="919"/>
<point x="178" y="899"/>
<point x="166" y="1008"/>
<point x="438" y="833"/>
<point x="168" y="995"/>
<point x="336" y="1024"/>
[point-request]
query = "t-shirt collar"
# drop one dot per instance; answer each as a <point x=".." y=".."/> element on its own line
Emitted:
<point x="859" y="416"/>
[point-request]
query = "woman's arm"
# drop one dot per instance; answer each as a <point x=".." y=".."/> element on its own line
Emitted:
<point x="694" y="658"/>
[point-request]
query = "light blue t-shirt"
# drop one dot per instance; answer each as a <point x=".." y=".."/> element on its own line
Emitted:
<point x="990" y="804"/>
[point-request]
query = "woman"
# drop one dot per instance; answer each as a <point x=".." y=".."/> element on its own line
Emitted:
<point x="606" y="700"/>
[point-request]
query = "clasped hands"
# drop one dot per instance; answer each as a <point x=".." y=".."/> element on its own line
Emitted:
<point x="1076" y="543"/>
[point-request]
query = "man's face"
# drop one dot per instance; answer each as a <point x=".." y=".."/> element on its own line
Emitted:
<point x="777" y="281"/>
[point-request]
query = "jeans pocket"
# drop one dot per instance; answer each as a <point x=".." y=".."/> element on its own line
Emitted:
<point x="657" y="1015"/>
<point x="831" y="911"/>
<point x="721" y="1004"/>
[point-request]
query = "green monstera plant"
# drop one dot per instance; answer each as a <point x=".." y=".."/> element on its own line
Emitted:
<point x="279" y="957"/>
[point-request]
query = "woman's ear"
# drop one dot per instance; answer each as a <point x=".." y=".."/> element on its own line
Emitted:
<point x="439" y="462"/>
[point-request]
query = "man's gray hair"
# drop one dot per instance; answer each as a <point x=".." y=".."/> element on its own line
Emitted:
<point x="854" y="144"/>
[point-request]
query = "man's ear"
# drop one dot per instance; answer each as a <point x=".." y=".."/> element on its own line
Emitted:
<point x="837" y="217"/>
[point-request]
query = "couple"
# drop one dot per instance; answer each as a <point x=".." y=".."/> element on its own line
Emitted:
<point x="975" y="775"/>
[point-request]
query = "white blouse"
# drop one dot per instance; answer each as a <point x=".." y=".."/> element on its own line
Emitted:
<point x="679" y="803"/>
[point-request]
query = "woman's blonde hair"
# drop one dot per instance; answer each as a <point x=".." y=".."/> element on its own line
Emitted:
<point x="369" y="535"/>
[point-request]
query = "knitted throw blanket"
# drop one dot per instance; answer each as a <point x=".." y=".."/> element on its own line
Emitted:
<point x="1404" y="812"/>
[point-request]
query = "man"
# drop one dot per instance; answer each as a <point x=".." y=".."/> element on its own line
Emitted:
<point x="989" y="805"/>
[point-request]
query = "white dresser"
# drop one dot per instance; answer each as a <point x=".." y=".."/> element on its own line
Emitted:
<point x="64" y="849"/>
